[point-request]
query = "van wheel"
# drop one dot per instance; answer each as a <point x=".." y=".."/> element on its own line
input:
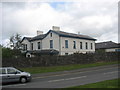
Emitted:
<point x="23" y="80"/>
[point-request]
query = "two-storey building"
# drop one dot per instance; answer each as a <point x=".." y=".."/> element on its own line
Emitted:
<point x="57" y="42"/>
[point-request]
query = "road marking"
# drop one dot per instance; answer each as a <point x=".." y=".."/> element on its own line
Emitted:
<point x="67" y="79"/>
<point x="51" y="76"/>
<point x="13" y="85"/>
<point x="111" y="72"/>
<point x="69" y="73"/>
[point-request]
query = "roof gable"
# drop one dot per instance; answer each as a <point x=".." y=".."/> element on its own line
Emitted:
<point x="27" y="38"/>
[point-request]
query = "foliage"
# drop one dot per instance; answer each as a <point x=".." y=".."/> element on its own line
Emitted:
<point x="103" y="84"/>
<point x="15" y="41"/>
<point x="100" y="51"/>
<point x="35" y="70"/>
<point x="10" y="53"/>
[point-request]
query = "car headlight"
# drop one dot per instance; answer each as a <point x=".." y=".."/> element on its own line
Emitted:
<point x="29" y="75"/>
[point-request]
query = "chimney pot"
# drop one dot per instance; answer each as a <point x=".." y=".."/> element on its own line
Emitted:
<point x="39" y="32"/>
<point x="55" y="28"/>
<point x="78" y="33"/>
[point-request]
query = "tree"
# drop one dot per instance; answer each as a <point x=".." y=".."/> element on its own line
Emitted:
<point x="10" y="53"/>
<point x="15" y="41"/>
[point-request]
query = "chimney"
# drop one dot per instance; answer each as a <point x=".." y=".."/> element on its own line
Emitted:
<point x="78" y="33"/>
<point x="55" y="28"/>
<point x="39" y="32"/>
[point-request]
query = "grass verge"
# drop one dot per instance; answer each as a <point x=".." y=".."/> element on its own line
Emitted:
<point x="104" y="84"/>
<point x="35" y="70"/>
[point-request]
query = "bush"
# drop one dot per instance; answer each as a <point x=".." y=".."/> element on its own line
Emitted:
<point x="9" y="53"/>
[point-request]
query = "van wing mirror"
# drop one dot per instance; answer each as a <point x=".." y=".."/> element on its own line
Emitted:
<point x="16" y="72"/>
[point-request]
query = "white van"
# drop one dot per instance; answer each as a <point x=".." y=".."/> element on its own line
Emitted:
<point x="10" y="74"/>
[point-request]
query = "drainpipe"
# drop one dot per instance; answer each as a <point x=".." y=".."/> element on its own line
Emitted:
<point x="59" y="45"/>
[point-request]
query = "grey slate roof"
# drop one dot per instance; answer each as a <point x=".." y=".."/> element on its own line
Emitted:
<point x="28" y="38"/>
<point x="39" y="37"/>
<point x="66" y="34"/>
<point x="106" y="45"/>
<point x="61" y="33"/>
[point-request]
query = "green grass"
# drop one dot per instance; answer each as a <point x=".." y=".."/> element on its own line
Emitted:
<point x="104" y="84"/>
<point x="35" y="70"/>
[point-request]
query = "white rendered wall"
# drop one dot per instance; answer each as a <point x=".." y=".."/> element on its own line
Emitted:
<point x="35" y="44"/>
<point x="111" y="50"/>
<point x="46" y="41"/>
<point x="70" y="49"/>
<point x="25" y="41"/>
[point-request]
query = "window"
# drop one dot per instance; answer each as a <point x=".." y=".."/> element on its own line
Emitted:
<point x="2" y="71"/>
<point x="50" y="34"/>
<point x="31" y="46"/>
<point x="80" y="45"/>
<point x="66" y="53"/>
<point x="51" y="43"/>
<point x="66" y="43"/>
<point x="39" y="45"/>
<point x="86" y="45"/>
<point x="25" y="46"/>
<point x="91" y="46"/>
<point x="74" y="45"/>
<point x="11" y="71"/>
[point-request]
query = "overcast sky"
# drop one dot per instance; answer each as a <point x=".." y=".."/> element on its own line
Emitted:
<point x="95" y="18"/>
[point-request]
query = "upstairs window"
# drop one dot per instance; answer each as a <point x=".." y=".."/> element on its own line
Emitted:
<point x="66" y="43"/>
<point x="74" y="45"/>
<point x="80" y="45"/>
<point x="51" y="43"/>
<point x="39" y="47"/>
<point x="91" y="46"/>
<point x="86" y="45"/>
<point x="31" y="46"/>
<point x="50" y="34"/>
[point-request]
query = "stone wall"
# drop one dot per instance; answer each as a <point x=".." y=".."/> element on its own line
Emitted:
<point x="46" y="60"/>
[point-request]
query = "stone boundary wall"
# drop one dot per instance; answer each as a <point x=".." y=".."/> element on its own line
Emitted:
<point x="46" y="60"/>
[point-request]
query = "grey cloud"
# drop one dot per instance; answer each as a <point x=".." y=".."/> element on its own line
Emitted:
<point x="13" y="5"/>
<point x="25" y="18"/>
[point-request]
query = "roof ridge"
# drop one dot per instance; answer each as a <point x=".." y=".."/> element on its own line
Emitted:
<point x="74" y="33"/>
<point x="106" y="42"/>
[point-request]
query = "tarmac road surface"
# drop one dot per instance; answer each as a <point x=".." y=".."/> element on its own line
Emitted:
<point x="70" y="78"/>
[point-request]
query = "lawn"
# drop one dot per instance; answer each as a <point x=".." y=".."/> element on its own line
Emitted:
<point x="34" y="70"/>
<point x="104" y="84"/>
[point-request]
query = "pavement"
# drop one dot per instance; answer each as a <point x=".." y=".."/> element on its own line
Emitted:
<point x="70" y="78"/>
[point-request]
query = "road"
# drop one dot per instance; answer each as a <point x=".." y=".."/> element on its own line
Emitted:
<point x="70" y="78"/>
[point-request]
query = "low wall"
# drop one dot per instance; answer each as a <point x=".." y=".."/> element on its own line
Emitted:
<point x="60" y="60"/>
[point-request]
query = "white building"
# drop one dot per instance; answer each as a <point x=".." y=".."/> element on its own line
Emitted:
<point x="58" y="42"/>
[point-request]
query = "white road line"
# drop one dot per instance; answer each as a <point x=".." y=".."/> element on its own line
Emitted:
<point x="111" y="72"/>
<point x="13" y="85"/>
<point x="67" y="79"/>
<point x="69" y="73"/>
<point x="51" y="76"/>
<point x="56" y="80"/>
